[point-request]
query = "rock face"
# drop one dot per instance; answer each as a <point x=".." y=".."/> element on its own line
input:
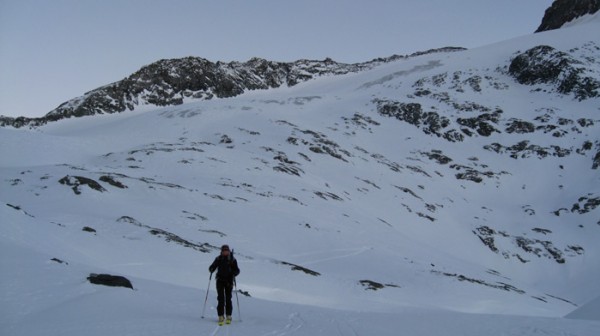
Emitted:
<point x="546" y="65"/>
<point x="563" y="11"/>
<point x="173" y="81"/>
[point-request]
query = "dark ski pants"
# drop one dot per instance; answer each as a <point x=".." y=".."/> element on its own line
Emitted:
<point x="224" y="289"/>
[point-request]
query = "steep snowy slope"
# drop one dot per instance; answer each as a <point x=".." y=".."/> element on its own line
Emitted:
<point x="416" y="191"/>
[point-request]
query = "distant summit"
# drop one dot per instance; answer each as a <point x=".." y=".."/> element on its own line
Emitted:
<point x="564" y="11"/>
<point x="176" y="81"/>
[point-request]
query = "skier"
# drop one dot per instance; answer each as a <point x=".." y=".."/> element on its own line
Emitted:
<point x="227" y="269"/>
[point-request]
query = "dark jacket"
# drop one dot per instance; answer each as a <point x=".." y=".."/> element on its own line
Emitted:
<point x="226" y="267"/>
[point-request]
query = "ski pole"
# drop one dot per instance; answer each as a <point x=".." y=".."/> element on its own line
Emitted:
<point x="237" y="299"/>
<point x="206" y="298"/>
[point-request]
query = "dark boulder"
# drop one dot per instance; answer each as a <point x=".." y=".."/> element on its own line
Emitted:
<point x="109" y="280"/>
<point x="56" y="260"/>
<point x="89" y="229"/>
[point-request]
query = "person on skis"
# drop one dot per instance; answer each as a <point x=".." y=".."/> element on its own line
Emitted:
<point x="227" y="269"/>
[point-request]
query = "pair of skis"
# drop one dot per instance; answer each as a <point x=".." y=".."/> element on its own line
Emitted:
<point x="225" y="321"/>
<point x="219" y="328"/>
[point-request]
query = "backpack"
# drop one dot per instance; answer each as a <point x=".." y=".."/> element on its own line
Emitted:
<point x="226" y="267"/>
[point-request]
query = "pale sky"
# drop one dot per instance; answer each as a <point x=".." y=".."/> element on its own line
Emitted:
<point x="55" y="50"/>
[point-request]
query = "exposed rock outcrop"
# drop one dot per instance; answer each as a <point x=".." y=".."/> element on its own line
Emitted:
<point x="563" y="11"/>
<point x="546" y="65"/>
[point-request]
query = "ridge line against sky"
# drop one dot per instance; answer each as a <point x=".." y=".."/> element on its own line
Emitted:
<point x="53" y="51"/>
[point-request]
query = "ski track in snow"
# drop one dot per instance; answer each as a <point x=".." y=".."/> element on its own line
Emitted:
<point x="294" y="324"/>
<point x="334" y="254"/>
<point x="216" y="331"/>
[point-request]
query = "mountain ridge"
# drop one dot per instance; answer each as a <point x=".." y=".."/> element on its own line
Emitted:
<point x="173" y="81"/>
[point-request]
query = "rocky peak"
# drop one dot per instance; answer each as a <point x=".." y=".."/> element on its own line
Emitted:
<point x="563" y="11"/>
<point x="174" y="81"/>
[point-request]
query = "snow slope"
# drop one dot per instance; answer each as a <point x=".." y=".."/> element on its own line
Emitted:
<point x="589" y="311"/>
<point x="350" y="210"/>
